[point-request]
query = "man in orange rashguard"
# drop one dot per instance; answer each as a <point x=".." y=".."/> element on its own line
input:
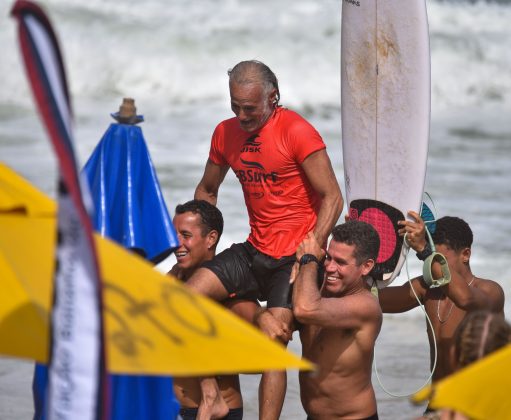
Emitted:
<point x="289" y="188"/>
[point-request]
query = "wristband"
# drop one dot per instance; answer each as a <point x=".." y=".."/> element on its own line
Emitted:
<point x="428" y="276"/>
<point x="425" y="253"/>
<point x="307" y="258"/>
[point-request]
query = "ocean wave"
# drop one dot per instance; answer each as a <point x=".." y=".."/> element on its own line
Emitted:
<point x="178" y="53"/>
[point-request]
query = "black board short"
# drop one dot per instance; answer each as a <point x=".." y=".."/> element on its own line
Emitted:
<point x="249" y="274"/>
<point x="191" y="414"/>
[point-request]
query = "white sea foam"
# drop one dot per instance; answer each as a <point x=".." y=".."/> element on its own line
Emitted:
<point x="178" y="52"/>
<point x="173" y="56"/>
<point x="470" y="61"/>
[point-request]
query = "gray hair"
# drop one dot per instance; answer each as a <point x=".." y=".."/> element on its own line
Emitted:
<point x="253" y="71"/>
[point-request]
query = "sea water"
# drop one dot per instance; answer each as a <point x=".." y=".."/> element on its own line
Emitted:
<point x="172" y="57"/>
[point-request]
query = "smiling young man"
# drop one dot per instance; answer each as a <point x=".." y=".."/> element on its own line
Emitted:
<point x="447" y="305"/>
<point x="340" y="323"/>
<point x="199" y="226"/>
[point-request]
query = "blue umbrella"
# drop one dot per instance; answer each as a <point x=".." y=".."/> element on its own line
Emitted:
<point x="129" y="204"/>
<point x="131" y="211"/>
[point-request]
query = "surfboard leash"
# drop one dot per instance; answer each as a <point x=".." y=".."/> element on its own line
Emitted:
<point x="428" y="380"/>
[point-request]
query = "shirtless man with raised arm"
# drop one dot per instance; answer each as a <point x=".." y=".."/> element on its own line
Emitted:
<point x="340" y="323"/>
<point x="447" y="305"/>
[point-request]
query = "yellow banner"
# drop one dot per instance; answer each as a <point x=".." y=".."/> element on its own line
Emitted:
<point x="154" y="324"/>
<point x="480" y="391"/>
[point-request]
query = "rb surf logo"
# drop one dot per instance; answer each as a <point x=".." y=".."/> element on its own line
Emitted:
<point x="254" y="172"/>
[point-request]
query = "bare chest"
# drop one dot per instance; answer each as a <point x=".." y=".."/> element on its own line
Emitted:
<point x="330" y="346"/>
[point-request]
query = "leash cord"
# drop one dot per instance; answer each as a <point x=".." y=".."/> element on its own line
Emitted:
<point x="430" y="325"/>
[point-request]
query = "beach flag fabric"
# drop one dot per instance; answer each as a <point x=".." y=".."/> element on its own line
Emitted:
<point x="77" y="375"/>
<point x="154" y="324"/>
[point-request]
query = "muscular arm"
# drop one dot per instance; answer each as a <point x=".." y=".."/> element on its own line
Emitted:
<point x="347" y="312"/>
<point x="271" y="326"/>
<point x="207" y="189"/>
<point x="396" y="299"/>
<point x="489" y="295"/>
<point x="319" y="172"/>
<point x="309" y="307"/>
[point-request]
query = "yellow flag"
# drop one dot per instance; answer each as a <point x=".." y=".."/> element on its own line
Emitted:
<point x="480" y="391"/>
<point x="154" y="324"/>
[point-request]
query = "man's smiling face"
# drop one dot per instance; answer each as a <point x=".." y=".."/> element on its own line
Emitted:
<point x="194" y="246"/>
<point x="342" y="272"/>
<point x="251" y="105"/>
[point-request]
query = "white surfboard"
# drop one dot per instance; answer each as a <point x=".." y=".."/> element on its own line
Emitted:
<point x="386" y="88"/>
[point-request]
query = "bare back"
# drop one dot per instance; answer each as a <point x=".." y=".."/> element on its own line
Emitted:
<point x="341" y="387"/>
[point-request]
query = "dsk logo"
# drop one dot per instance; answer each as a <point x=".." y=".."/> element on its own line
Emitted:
<point x="251" y="145"/>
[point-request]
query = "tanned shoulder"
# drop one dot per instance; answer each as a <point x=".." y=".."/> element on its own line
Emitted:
<point x="494" y="291"/>
<point x="370" y="306"/>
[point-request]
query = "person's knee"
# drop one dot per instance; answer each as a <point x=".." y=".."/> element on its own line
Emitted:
<point x="245" y="309"/>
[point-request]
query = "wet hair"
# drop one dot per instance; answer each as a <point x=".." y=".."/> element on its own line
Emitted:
<point x="253" y="71"/>
<point x="453" y="232"/>
<point x="480" y="333"/>
<point x="362" y="235"/>
<point x="211" y="217"/>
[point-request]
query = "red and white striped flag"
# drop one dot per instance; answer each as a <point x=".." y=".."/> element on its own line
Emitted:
<point x="77" y="374"/>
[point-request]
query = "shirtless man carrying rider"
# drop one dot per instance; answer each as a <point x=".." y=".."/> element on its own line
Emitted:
<point x="447" y="305"/>
<point x="340" y="323"/>
<point x="199" y="226"/>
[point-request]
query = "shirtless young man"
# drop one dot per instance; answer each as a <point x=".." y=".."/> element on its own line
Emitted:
<point x="447" y="305"/>
<point x="289" y="188"/>
<point x="340" y="323"/>
<point x="199" y="226"/>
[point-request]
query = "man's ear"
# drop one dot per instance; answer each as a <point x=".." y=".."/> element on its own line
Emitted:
<point x="212" y="239"/>
<point x="465" y="255"/>
<point x="273" y="97"/>
<point x="367" y="266"/>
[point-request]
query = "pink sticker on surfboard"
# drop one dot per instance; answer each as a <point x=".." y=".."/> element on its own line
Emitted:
<point x="384" y="219"/>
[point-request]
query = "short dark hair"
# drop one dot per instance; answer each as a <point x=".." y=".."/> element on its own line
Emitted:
<point x="211" y="217"/>
<point x="453" y="232"/>
<point x="362" y="235"/>
<point x="244" y="72"/>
